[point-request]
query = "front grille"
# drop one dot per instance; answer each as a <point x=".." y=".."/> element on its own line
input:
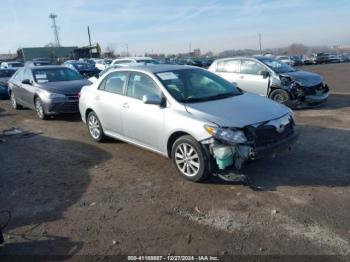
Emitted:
<point x="69" y="107"/>
<point x="72" y="97"/>
<point x="267" y="134"/>
<point x="315" y="90"/>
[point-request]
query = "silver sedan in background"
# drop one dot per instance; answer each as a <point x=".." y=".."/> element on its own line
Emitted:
<point x="196" y="118"/>
<point x="50" y="90"/>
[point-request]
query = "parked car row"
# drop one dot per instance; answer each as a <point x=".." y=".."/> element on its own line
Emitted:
<point x="207" y="121"/>
<point x="318" y="58"/>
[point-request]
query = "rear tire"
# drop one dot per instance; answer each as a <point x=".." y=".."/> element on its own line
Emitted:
<point x="280" y="96"/>
<point x="14" y="103"/>
<point x="94" y="127"/>
<point x="190" y="159"/>
<point x="39" y="108"/>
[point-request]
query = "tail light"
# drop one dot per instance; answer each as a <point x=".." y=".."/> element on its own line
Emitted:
<point x="79" y="95"/>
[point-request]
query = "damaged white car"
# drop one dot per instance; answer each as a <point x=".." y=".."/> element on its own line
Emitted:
<point x="274" y="79"/>
<point x="196" y="118"/>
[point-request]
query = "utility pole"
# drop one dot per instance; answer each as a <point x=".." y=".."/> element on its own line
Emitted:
<point x="88" y="28"/>
<point x="55" y="29"/>
<point x="190" y="48"/>
<point x="127" y="49"/>
<point x="260" y="43"/>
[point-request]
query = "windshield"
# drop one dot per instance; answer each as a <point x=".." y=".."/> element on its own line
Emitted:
<point x="6" y="73"/>
<point x="196" y="85"/>
<point x="55" y="75"/>
<point x="277" y="66"/>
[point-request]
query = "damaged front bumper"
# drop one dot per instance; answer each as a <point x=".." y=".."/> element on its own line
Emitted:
<point x="273" y="149"/>
<point x="304" y="98"/>
<point x="227" y="155"/>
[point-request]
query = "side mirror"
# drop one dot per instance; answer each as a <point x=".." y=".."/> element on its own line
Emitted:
<point x="265" y="74"/>
<point x="152" y="100"/>
<point x="26" y="82"/>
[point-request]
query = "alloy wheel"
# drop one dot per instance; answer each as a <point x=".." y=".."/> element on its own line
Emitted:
<point x="13" y="101"/>
<point x="187" y="159"/>
<point x="94" y="126"/>
<point x="39" y="108"/>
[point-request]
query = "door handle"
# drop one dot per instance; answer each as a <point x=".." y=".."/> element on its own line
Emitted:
<point x="241" y="77"/>
<point x="97" y="98"/>
<point x="126" y="105"/>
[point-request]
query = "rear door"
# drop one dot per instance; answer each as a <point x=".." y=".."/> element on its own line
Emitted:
<point x="27" y="90"/>
<point x="107" y="101"/>
<point x="16" y="85"/>
<point x="251" y="79"/>
<point x="229" y="70"/>
<point x="142" y="123"/>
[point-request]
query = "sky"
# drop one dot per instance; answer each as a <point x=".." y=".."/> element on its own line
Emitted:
<point x="171" y="26"/>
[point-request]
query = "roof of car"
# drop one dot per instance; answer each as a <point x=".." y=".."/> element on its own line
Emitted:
<point x="157" y="68"/>
<point x="45" y="67"/>
<point x="7" y="69"/>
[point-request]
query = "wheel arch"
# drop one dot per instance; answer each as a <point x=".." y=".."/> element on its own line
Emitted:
<point x="87" y="112"/>
<point x="172" y="138"/>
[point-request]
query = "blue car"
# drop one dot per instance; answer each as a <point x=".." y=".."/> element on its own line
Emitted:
<point x="5" y="75"/>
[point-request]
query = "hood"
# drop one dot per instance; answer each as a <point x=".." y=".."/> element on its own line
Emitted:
<point x="65" y="87"/>
<point x="304" y="78"/>
<point x="238" y="111"/>
<point x="4" y="81"/>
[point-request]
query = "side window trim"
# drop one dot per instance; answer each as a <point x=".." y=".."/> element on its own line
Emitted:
<point x="249" y="60"/>
<point x="131" y="74"/>
<point x="103" y="83"/>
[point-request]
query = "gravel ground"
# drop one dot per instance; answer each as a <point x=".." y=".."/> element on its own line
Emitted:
<point x="69" y="195"/>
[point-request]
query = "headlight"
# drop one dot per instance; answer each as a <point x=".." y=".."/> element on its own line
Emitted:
<point x="49" y="95"/>
<point x="226" y="134"/>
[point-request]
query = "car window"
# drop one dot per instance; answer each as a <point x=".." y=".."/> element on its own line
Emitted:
<point x="44" y="75"/>
<point x="27" y="74"/>
<point x="6" y="72"/>
<point x="122" y="62"/>
<point x="18" y="75"/>
<point x="196" y="85"/>
<point x="114" y="82"/>
<point x="251" y="68"/>
<point x="231" y="66"/>
<point x="140" y="85"/>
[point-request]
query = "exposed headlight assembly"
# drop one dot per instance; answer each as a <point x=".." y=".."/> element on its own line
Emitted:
<point x="226" y="134"/>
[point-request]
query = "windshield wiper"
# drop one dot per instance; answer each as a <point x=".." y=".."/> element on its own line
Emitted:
<point x="208" y="98"/>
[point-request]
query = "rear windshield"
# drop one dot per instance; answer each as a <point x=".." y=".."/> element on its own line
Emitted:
<point x="82" y="66"/>
<point x="6" y="73"/>
<point x="15" y="64"/>
<point x="55" y="75"/>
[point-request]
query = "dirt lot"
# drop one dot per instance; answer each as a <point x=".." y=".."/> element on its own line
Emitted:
<point x="69" y="195"/>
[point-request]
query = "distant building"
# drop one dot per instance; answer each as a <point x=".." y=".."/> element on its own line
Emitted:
<point x="87" y="52"/>
<point x="53" y="53"/>
<point x="196" y="52"/>
<point x="8" y="57"/>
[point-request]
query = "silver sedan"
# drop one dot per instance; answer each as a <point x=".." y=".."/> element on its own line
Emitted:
<point x="196" y="118"/>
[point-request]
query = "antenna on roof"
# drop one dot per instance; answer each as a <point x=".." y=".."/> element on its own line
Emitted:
<point x="55" y="29"/>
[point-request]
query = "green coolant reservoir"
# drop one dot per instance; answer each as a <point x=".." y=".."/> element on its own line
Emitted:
<point x="223" y="155"/>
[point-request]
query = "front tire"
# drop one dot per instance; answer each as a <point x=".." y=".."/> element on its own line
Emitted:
<point x="190" y="159"/>
<point x="95" y="127"/>
<point x="39" y="108"/>
<point x="280" y="96"/>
